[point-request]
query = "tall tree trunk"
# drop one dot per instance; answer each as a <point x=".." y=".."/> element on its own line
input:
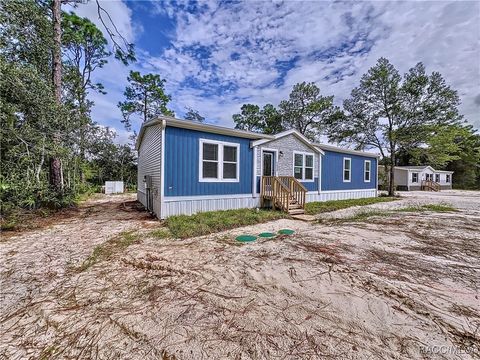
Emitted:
<point x="56" y="181"/>
<point x="391" y="184"/>
<point x="57" y="43"/>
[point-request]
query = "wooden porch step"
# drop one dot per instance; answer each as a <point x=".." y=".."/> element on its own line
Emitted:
<point x="296" y="211"/>
<point x="294" y="206"/>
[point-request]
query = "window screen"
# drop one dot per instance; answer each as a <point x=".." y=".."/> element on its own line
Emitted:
<point x="308" y="167"/>
<point x="229" y="162"/>
<point x="298" y="167"/>
<point x="219" y="161"/>
<point x="367" y="170"/>
<point x="210" y="161"/>
<point x="347" y="169"/>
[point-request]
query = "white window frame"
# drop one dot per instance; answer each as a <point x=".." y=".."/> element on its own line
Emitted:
<point x="415" y="182"/>
<point x="349" y="170"/>
<point x="220" y="154"/>
<point x="448" y="178"/>
<point x="304" y="165"/>
<point x="365" y="170"/>
<point x="439" y="178"/>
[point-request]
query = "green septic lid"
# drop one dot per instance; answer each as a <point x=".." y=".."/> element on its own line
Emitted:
<point x="246" y="238"/>
<point x="266" y="234"/>
<point x="286" y="232"/>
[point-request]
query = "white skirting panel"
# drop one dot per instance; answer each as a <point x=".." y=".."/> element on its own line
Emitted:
<point x="340" y="195"/>
<point x="142" y="198"/>
<point x="192" y="206"/>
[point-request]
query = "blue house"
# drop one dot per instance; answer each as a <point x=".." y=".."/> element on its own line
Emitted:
<point x="187" y="167"/>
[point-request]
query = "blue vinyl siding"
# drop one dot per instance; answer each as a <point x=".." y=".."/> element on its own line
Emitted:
<point x="311" y="186"/>
<point x="332" y="172"/>
<point x="182" y="164"/>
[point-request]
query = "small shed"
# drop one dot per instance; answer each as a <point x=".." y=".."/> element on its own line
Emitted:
<point x="114" y="187"/>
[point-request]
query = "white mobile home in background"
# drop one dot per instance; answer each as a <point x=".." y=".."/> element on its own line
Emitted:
<point x="410" y="178"/>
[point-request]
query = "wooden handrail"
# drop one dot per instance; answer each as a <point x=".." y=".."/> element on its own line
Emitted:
<point x="430" y="184"/>
<point x="281" y="190"/>
<point x="282" y="195"/>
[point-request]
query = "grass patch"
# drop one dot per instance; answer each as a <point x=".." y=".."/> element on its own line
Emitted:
<point x="428" y="207"/>
<point x="112" y="246"/>
<point x="439" y="208"/>
<point x="183" y="226"/>
<point x="162" y="233"/>
<point x="318" y="207"/>
<point x="359" y="216"/>
<point x="367" y="214"/>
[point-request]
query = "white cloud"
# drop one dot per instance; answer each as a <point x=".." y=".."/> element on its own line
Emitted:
<point x="224" y="55"/>
<point x="119" y="12"/>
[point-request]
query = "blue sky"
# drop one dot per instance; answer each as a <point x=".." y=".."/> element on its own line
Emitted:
<point x="215" y="56"/>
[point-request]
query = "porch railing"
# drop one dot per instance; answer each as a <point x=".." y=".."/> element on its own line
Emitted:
<point x="430" y="185"/>
<point x="282" y="191"/>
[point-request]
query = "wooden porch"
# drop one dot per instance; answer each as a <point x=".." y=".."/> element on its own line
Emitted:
<point x="284" y="193"/>
<point x="430" y="185"/>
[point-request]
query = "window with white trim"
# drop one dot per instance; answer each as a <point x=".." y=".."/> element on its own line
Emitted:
<point x="303" y="166"/>
<point x="347" y="169"/>
<point x="437" y="178"/>
<point x="367" y="171"/>
<point x="230" y="162"/>
<point x="447" y="178"/>
<point x="219" y="161"/>
<point x="414" y="177"/>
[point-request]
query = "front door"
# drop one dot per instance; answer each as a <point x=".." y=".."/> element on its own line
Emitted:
<point x="268" y="163"/>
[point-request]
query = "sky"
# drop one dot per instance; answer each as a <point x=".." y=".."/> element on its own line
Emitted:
<point x="216" y="56"/>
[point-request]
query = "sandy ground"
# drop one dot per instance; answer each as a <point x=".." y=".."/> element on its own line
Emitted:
<point x="398" y="287"/>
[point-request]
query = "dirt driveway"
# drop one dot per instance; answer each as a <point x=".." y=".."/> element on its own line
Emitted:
<point x="402" y="286"/>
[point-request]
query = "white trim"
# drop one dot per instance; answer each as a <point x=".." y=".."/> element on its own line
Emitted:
<point x="349" y="170"/>
<point x="207" y="197"/>
<point x="275" y="163"/>
<point x="444" y="172"/>
<point x="244" y="196"/>
<point x="162" y="167"/>
<point x="219" y="161"/>
<point x="422" y="169"/>
<point x="319" y="173"/>
<point x="254" y="180"/>
<point x="286" y="133"/>
<point x="346" y="151"/>
<point x="411" y="177"/>
<point x="365" y="170"/>
<point x="340" y="191"/>
<point x="304" y="165"/>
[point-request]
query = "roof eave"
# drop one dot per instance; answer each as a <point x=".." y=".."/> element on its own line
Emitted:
<point x="346" y="151"/>
<point x="185" y="124"/>
<point x="286" y="133"/>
